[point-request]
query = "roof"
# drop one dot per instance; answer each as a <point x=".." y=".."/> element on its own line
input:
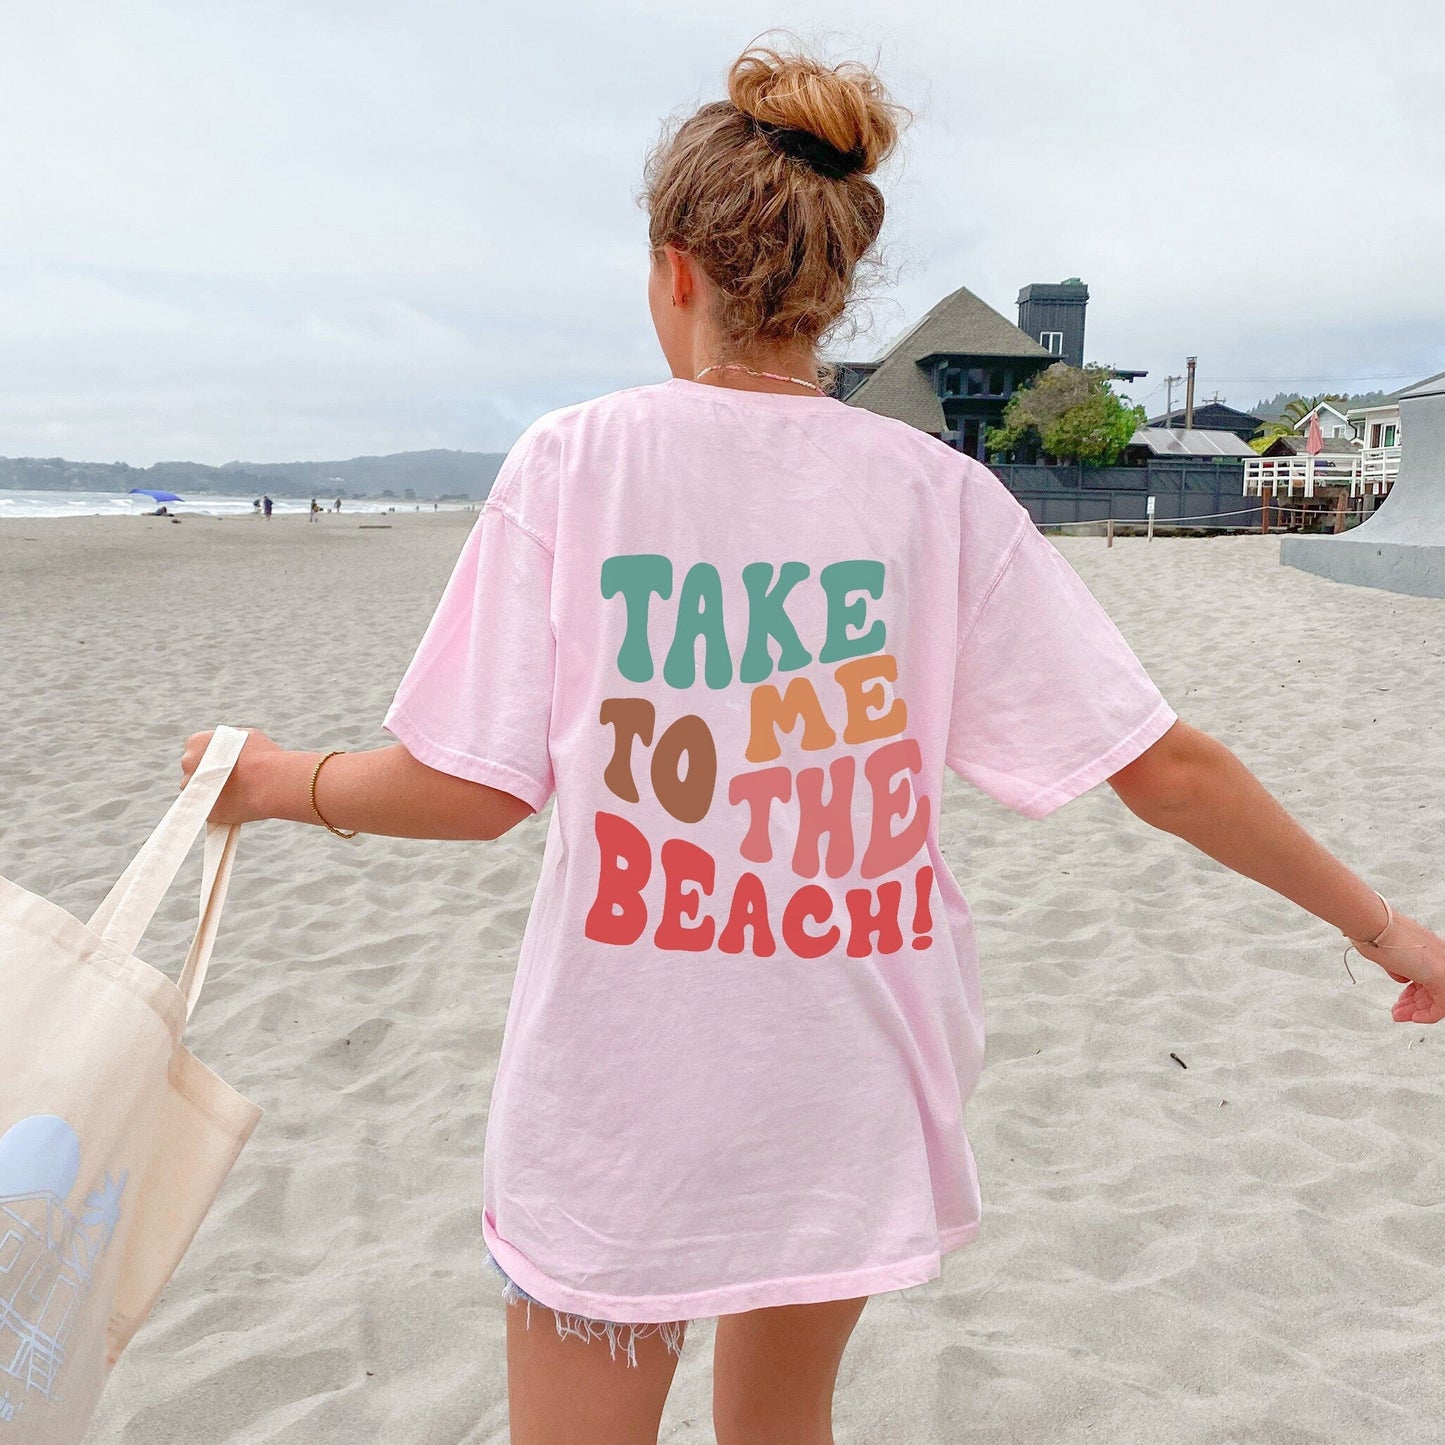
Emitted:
<point x="1298" y="445"/>
<point x="1167" y="442"/>
<point x="1219" y="408"/>
<point x="1070" y="290"/>
<point x="1426" y="387"/>
<point x="959" y="325"/>
<point x="1315" y="410"/>
<point x="1431" y="386"/>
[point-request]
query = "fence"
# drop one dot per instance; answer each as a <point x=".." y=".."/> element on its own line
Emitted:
<point x="1371" y="471"/>
<point x="1212" y="492"/>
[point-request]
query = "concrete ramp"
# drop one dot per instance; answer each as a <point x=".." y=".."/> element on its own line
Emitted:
<point x="1400" y="547"/>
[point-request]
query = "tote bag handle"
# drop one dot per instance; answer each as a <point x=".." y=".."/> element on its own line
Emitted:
<point x="127" y="910"/>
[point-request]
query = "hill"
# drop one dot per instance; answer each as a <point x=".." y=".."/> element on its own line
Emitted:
<point x="426" y="475"/>
<point x="1273" y="409"/>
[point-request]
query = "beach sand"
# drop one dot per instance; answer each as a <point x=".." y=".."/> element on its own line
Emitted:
<point x="1251" y="1248"/>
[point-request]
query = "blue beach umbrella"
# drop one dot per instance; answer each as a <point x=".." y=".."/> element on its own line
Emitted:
<point x="158" y="495"/>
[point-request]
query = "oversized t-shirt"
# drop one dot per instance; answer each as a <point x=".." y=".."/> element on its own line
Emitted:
<point x="737" y="636"/>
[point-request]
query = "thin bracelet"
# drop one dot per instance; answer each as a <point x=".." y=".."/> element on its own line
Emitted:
<point x="1375" y="941"/>
<point x="316" y="773"/>
<point x="1389" y="920"/>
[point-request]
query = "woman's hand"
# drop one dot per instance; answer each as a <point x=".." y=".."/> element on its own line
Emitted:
<point x="240" y="800"/>
<point x="1415" y="957"/>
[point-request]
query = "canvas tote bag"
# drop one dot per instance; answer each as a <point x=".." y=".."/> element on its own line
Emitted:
<point x="114" y="1138"/>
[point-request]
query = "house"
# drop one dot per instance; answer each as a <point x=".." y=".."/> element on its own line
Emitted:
<point x="1212" y="415"/>
<point x="950" y="375"/>
<point x="1361" y="462"/>
<point x="1378" y="425"/>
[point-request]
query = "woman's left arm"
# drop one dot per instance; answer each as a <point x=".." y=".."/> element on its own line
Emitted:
<point x="1191" y="785"/>
<point x="382" y="790"/>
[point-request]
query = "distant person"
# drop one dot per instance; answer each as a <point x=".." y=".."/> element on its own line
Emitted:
<point x="315" y="511"/>
<point x="336" y="507"/>
<point x="266" y="507"/>
<point x="256" y="507"/>
<point x="748" y="1011"/>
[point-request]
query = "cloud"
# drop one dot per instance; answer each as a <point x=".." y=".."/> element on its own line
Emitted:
<point x="309" y="230"/>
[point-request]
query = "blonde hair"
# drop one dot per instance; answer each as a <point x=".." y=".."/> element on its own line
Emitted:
<point x="781" y="242"/>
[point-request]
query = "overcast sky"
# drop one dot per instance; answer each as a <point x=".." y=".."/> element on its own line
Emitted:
<point x="270" y="231"/>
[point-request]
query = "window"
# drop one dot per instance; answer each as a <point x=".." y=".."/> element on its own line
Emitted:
<point x="975" y="381"/>
<point x="1052" y="341"/>
<point x="996" y="383"/>
<point x="952" y="380"/>
<point x="1389" y="435"/>
<point x="1375" y="434"/>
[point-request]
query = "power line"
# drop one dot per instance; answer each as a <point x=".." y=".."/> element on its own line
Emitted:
<point x="1306" y="380"/>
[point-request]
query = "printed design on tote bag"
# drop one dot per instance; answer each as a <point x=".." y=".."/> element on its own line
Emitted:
<point x="48" y="1256"/>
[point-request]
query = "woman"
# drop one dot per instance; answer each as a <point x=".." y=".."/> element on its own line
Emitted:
<point x="737" y="629"/>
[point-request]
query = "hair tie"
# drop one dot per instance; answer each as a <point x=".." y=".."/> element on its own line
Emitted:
<point x="803" y="145"/>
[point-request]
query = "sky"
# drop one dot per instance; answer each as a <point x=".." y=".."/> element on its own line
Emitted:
<point x="266" y="231"/>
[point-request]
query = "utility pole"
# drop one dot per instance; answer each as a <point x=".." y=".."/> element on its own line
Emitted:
<point x="1169" y="403"/>
<point x="1189" y="364"/>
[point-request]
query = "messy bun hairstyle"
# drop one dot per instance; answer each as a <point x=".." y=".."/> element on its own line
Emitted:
<point x="780" y="239"/>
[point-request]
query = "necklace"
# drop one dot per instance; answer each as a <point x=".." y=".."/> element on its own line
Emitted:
<point x="770" y="375"/>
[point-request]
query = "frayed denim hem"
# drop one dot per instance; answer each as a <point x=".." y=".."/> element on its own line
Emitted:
<point x="617" y="1335"/>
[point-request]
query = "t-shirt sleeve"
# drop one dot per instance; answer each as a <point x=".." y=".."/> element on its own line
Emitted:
<point x="476" y="699"/>
<point x="1048" y="697"/>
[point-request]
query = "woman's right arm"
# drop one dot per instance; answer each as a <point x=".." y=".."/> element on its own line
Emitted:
<point x="1190" y="784"/>
<point x="384" y="790"/>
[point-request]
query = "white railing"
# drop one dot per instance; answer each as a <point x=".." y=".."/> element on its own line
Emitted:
<point x="1372" y="470"/>
<point x="1378" y="468"/>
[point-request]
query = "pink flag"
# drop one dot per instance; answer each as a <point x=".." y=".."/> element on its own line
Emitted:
<point x="1315" y="440"/>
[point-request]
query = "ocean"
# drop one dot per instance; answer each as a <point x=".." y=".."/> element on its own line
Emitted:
<point x="24" y="504"/>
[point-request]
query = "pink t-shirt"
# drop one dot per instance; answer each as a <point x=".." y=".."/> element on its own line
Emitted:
<point x="738" y="636"/>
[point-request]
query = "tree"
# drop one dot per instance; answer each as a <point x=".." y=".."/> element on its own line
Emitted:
<point x="1071" y="412"/>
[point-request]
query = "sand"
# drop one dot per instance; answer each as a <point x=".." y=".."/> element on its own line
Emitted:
<point x="1249" y="1249"/>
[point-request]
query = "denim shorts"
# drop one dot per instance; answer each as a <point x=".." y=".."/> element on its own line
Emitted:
<point x="617" y="1335"/>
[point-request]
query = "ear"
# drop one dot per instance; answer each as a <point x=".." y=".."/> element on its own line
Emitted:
<point x="681" y="280"/>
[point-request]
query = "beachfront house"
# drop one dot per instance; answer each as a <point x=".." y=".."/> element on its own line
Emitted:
<point x="1378" y="424"/>
<point x="1364" y="464"/>
<point x="950" y="375"/>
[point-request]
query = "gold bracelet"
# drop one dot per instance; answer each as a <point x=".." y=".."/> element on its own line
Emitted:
<point x="316" y="773"/>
